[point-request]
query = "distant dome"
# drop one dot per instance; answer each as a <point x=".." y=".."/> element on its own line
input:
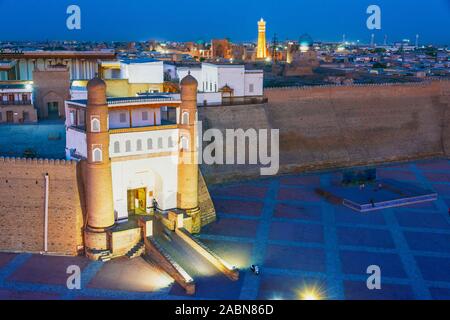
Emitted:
<point x="305" y="40"/>
<point x="189" y="81"/>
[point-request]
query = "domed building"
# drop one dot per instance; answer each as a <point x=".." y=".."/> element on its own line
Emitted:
<point x="305" y="41"/>
<point x="301" y="58"/>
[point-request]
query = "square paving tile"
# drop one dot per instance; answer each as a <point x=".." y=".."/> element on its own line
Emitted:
<point x="241" y="191"/>
<point x="426" y="241"/>
<point x="5" y="258"/>
<point x="396" y="175"/>
<point x="356" y="262"/>
<point x="365" y="237"/>
<point x="297" y="211"/>
<point x="245" y="208"/>
<point x="347" y="215"/>
<point x="296" y="231"/>
<point x="434" y="268"/>
<point x="297" y="258"/>
<point x="47" y="269"/>
<point x="232" y="227"/>
<point x="312" y="181"/>
<point x="357" y="290"/>
<point x="431" y="220"/>
<point x="26" y="295"/>
<point x="442" y="189"/>
<point x="440" y="293"/>
<point x="434" y="165"/>
<point x="295" y="194"/>
<point x="437" y="177"/>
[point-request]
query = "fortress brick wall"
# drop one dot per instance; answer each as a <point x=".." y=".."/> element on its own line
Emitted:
<point x="339" y="126"/>
<point x="22" y="206"/>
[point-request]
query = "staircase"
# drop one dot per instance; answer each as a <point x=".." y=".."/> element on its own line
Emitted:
<point x="136" y="251"/>
<point x="105" y="256"/>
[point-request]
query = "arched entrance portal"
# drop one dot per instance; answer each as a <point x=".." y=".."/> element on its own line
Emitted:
<point x="142" y="188"/>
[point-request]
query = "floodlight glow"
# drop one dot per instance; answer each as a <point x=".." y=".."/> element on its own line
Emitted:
<point x="313" y="292"/>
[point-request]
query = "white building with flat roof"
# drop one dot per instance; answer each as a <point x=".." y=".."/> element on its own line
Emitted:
<point x="230" y="79"/>
<point x="145" y="70"/>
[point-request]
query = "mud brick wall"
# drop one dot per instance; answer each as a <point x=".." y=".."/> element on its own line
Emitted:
<point x="22" y="206"/>
<point x="339" y="126"/>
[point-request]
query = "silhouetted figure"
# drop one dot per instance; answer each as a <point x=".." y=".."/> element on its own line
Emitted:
<point x="254" y="269"/>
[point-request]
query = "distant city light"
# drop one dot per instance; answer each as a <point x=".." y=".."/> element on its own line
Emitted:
<point x="304" y="48"/>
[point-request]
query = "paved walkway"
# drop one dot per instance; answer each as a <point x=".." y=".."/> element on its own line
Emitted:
<point x="299" y="240"/>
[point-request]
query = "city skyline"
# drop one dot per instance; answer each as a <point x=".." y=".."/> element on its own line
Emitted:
<point x="327" y="21"/>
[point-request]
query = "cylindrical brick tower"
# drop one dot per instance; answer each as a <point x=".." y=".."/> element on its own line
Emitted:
<point x="188" y="165"/>
<point x="98" y="180"/>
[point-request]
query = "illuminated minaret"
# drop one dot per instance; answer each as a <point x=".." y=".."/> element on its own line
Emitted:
<point x="98" y="181"/>
<point x="261" y="52"/>
<point x="188" y="162"/>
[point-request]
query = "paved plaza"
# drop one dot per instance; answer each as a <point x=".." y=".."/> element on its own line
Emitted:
<point x="299" y="240"/>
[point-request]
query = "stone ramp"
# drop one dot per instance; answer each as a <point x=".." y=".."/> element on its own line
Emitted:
<point x="186" y="259"/>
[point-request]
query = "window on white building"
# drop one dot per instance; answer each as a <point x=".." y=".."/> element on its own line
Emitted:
<point x="184" y="143"/>
<point x="72" y="117"/>
<point x="160" y="143"/>
<point x="117" y="147"/>
<point x="128" y="146"/>
<point x="251" y="88"/>
<point x="139" y="145"/>
<point x="149" y="144"/>
<point x="123" y="118"/>
<point x="97" y="155"/>
<point x="185" y="118"/>
<point x="95" y="125"/>
<point x="170" y="142"/>
<point x="144" y="115"/>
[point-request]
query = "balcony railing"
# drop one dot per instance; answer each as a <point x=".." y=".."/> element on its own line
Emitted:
<point x="16" y="103"/>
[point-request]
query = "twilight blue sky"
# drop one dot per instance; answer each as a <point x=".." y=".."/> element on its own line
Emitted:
<point x="184" y="20"/>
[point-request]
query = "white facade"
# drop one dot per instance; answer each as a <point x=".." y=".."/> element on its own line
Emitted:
<point x="153" y="166"/>
<point x="254" y="82"/>
<point x="142" y="71"/>
<point x="196" y="72"/>
<point x="213" y="77"/>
